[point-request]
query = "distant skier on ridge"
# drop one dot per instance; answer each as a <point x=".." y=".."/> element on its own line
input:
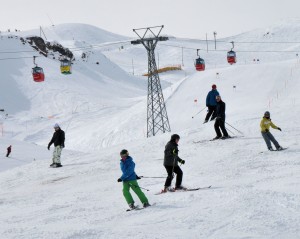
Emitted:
<point x="129" y="179"/>
<point x="8" y="151"/>
<point x="58" y="140"/>
<point x="265" y="124"/>
<point x="211" y="103"/>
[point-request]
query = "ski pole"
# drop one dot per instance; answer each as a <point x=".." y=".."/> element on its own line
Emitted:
<point x="229" y="131"/>
<point x="199" y="112"/>
<point x="138" y="187"/>
<point x="235" y="128"/>
<point x="150" y="177"/>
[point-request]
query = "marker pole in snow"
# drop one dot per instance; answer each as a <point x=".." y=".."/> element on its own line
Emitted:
<point x="138" y="187"/>
<point x="199" y="112"/>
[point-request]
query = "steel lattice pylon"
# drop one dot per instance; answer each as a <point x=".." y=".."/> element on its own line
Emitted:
<point x="157" y="117"/>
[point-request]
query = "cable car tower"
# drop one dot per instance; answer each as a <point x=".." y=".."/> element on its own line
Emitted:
<point x="157" y="117"/>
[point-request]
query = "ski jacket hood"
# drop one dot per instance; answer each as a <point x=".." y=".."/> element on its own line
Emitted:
<point x="127" y="167"/>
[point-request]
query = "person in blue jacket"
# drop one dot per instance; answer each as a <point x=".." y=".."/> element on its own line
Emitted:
<point x="211" y="103"/>
<point x="129" y="179"/>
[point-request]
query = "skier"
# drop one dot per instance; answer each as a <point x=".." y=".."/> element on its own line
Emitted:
<point x="129" y="179"/>
<point x="211" y="103"/>
<point x="58" y="140"/>
<point x="220" y="119"/>
<point x="171" y="160"/>
<point x="265" y="124"/>
<point x="8" y="151"/>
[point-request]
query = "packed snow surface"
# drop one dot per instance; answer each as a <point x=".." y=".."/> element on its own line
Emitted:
<point x="255" y="193"/>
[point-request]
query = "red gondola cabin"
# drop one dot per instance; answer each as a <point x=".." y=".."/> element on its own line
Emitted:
<point x="38" y="74"/>
<point x="200" y="64"/>
<point x="231" y="57"/>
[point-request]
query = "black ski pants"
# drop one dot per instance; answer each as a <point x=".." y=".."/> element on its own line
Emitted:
<point x="220" y="124"/>
<point x="211" y="111"/>
<point x="179" y="175"/>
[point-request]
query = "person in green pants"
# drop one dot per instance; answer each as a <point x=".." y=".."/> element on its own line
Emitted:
<point x="129" y="179"/>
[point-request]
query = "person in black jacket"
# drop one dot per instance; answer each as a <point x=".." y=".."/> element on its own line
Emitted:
<point x="220" y="119"/>
<point x="58" y="140"/>
<point x="171" y="160"/>
<point x="8" y="151"/>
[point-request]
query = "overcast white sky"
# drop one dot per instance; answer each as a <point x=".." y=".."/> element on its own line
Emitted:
<point x="182" y="18"/>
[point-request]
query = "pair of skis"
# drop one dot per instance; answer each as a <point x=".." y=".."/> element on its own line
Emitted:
<point x="214" y="139"/>
<point x="183" y="190"/>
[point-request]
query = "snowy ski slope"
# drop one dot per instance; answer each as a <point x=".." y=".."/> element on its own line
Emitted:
<point x="102" y="108"/>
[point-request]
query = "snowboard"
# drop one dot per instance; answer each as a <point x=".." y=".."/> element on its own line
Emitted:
<point x="274" y="150"/>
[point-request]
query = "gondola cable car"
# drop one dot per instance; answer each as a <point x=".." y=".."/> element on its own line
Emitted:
<point x="199" y="62"/>
<point x="37" y="72"/>
<point x="231" y="55"/>
<point x="65" y="66"/>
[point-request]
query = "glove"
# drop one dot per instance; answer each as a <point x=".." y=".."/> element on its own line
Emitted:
<point x="137" y="177"/>
<point x="48" y="147"/>
<point x="279" y="128"/>
<point x="182" y="161"/>
<point x="119" y="180"/>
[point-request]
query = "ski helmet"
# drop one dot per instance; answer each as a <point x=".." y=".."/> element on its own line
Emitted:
<point x="267" y="114"/>
<point x="214" y="86"/>
<point x="124" y="152"/>
<point x="174" y="137"/>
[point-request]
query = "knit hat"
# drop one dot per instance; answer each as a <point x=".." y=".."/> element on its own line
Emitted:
<point x="174" y="137"/>
<point x="56" y="125"/>
<point x="214" y="86"/>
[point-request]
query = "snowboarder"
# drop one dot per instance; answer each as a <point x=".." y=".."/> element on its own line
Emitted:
<point x="8" y="151"/>
<point x="58" y="140"/>
<point x="171" y="160"/>
<point x="265" y="124"/>
<point x="211" y="103"/>
<point x="129" y="179"/>
<point x="220" y="119"/>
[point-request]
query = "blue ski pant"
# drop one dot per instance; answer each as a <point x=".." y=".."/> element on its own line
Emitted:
<point x="268" y="137"/>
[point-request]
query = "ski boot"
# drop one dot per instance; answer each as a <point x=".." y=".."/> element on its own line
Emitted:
<point x="132" y="206"/>
<point x="146" y="204"/>
<point x="181" y="188"/>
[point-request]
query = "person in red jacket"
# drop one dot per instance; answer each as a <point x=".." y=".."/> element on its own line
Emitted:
<point x="8" y="151"/>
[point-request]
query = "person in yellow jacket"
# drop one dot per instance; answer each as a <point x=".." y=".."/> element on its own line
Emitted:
<point x="265" y="125"/>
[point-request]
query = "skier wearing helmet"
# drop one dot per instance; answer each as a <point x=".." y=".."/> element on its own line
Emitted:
<point x="129" y="179"/>
<point x="171" y="160"/>
<point x="265" y="125"/>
